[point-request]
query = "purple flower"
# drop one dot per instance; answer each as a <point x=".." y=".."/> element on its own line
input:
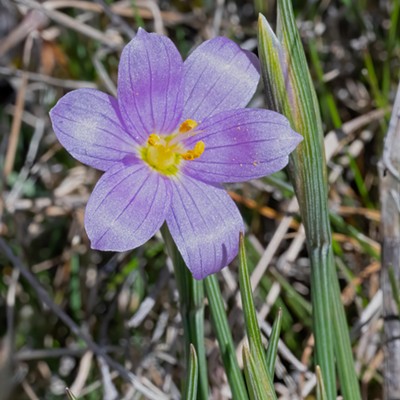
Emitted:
<point x="177" y="131"/>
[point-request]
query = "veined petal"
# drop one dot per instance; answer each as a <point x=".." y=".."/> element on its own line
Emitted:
<point x="241" y="145"/>
<point x="88" y="124"/>
<point x="205" y="224"/>
<point x="219" y="76"/>
<point x="150" y="90"/>
<point x="127" y="206"/>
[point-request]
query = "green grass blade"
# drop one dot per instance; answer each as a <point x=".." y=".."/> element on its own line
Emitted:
<point x="359" y="181"/>
<point x="323" y="326"/>
<point x="391" y="43"/>
<point x="341" y="226"/>
<point x="272" y="349"/>
<point x="331" y="109"/>
<point x="75" y="296"/>
<point x="343" y="351"/>
<point x="373" y="79"/>
<point x="193" y="376"/>
<point x="249" y="311"/>
<point x="259" y="388"/>
<point x="191" y="298"/>
<point x="224" y="337"/>
<point x="294" y="298"/>
<point x="308" y="173"/>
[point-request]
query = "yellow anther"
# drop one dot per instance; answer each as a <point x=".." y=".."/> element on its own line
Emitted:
<point x="187" y="125"/>
<point x="189" y="156"/>
<point x="153" y="139"/>
<point x="197" y="151"/>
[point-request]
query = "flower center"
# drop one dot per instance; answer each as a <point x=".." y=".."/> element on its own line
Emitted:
<point x="165" y="153"/>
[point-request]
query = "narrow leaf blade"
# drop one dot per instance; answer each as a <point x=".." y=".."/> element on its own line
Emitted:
<point x="272" y="349"/>
<point x="193" y="375"/>
<point x="250" y="317"/>
<point x="273" y="70"/>
<point x="249" y="311"/>
<point x="259" y="388"/>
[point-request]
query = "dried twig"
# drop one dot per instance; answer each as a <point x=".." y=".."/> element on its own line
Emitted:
<point x="114" y="42"/>
<point x="390" y="233"/>
<point x="7" y="348"/>
<point x="25" y="171"/>
<point x="19" y="106"/>
<point x="29" y="391"/>
<point x="101" y="53"/>
<point x="116" y="19"/>
<point x="110" y="392"/>
<point x="32" y="21"/>
<point x="85" y="365"/>
<point x="148" y="390"/>
<point x="49" y="80"/>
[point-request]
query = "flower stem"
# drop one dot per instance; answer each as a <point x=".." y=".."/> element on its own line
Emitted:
<point x="342" y="345"/>
<point x="322" y="316"/>
<point x="191" y="299"/>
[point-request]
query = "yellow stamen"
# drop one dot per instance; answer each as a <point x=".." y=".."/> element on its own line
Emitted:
<point x="162" y="158"/>
<point x="187" y="125"/>
<point x="154" y="139"/>
<point x="164" y="153"/>
<point x="197" y="151"/>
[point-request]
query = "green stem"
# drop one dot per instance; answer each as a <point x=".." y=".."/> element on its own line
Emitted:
<point x="322" y="318"/>
<point x="342" y="346"/>
<point x="294" y="96"/>
<point x="292" y="93"/>
<point x="272" y="349"/>
<point x="191" y="298"/>
<point x="223" y="333"/>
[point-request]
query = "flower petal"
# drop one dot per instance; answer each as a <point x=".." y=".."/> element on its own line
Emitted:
<point x="219" y="76"/>
<point x="88" y="124"/>
<point x="241" y="145"/>
<point x="205" y="224"/>
<point x="127" y="206"/>
<point x="150" y="85"/>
